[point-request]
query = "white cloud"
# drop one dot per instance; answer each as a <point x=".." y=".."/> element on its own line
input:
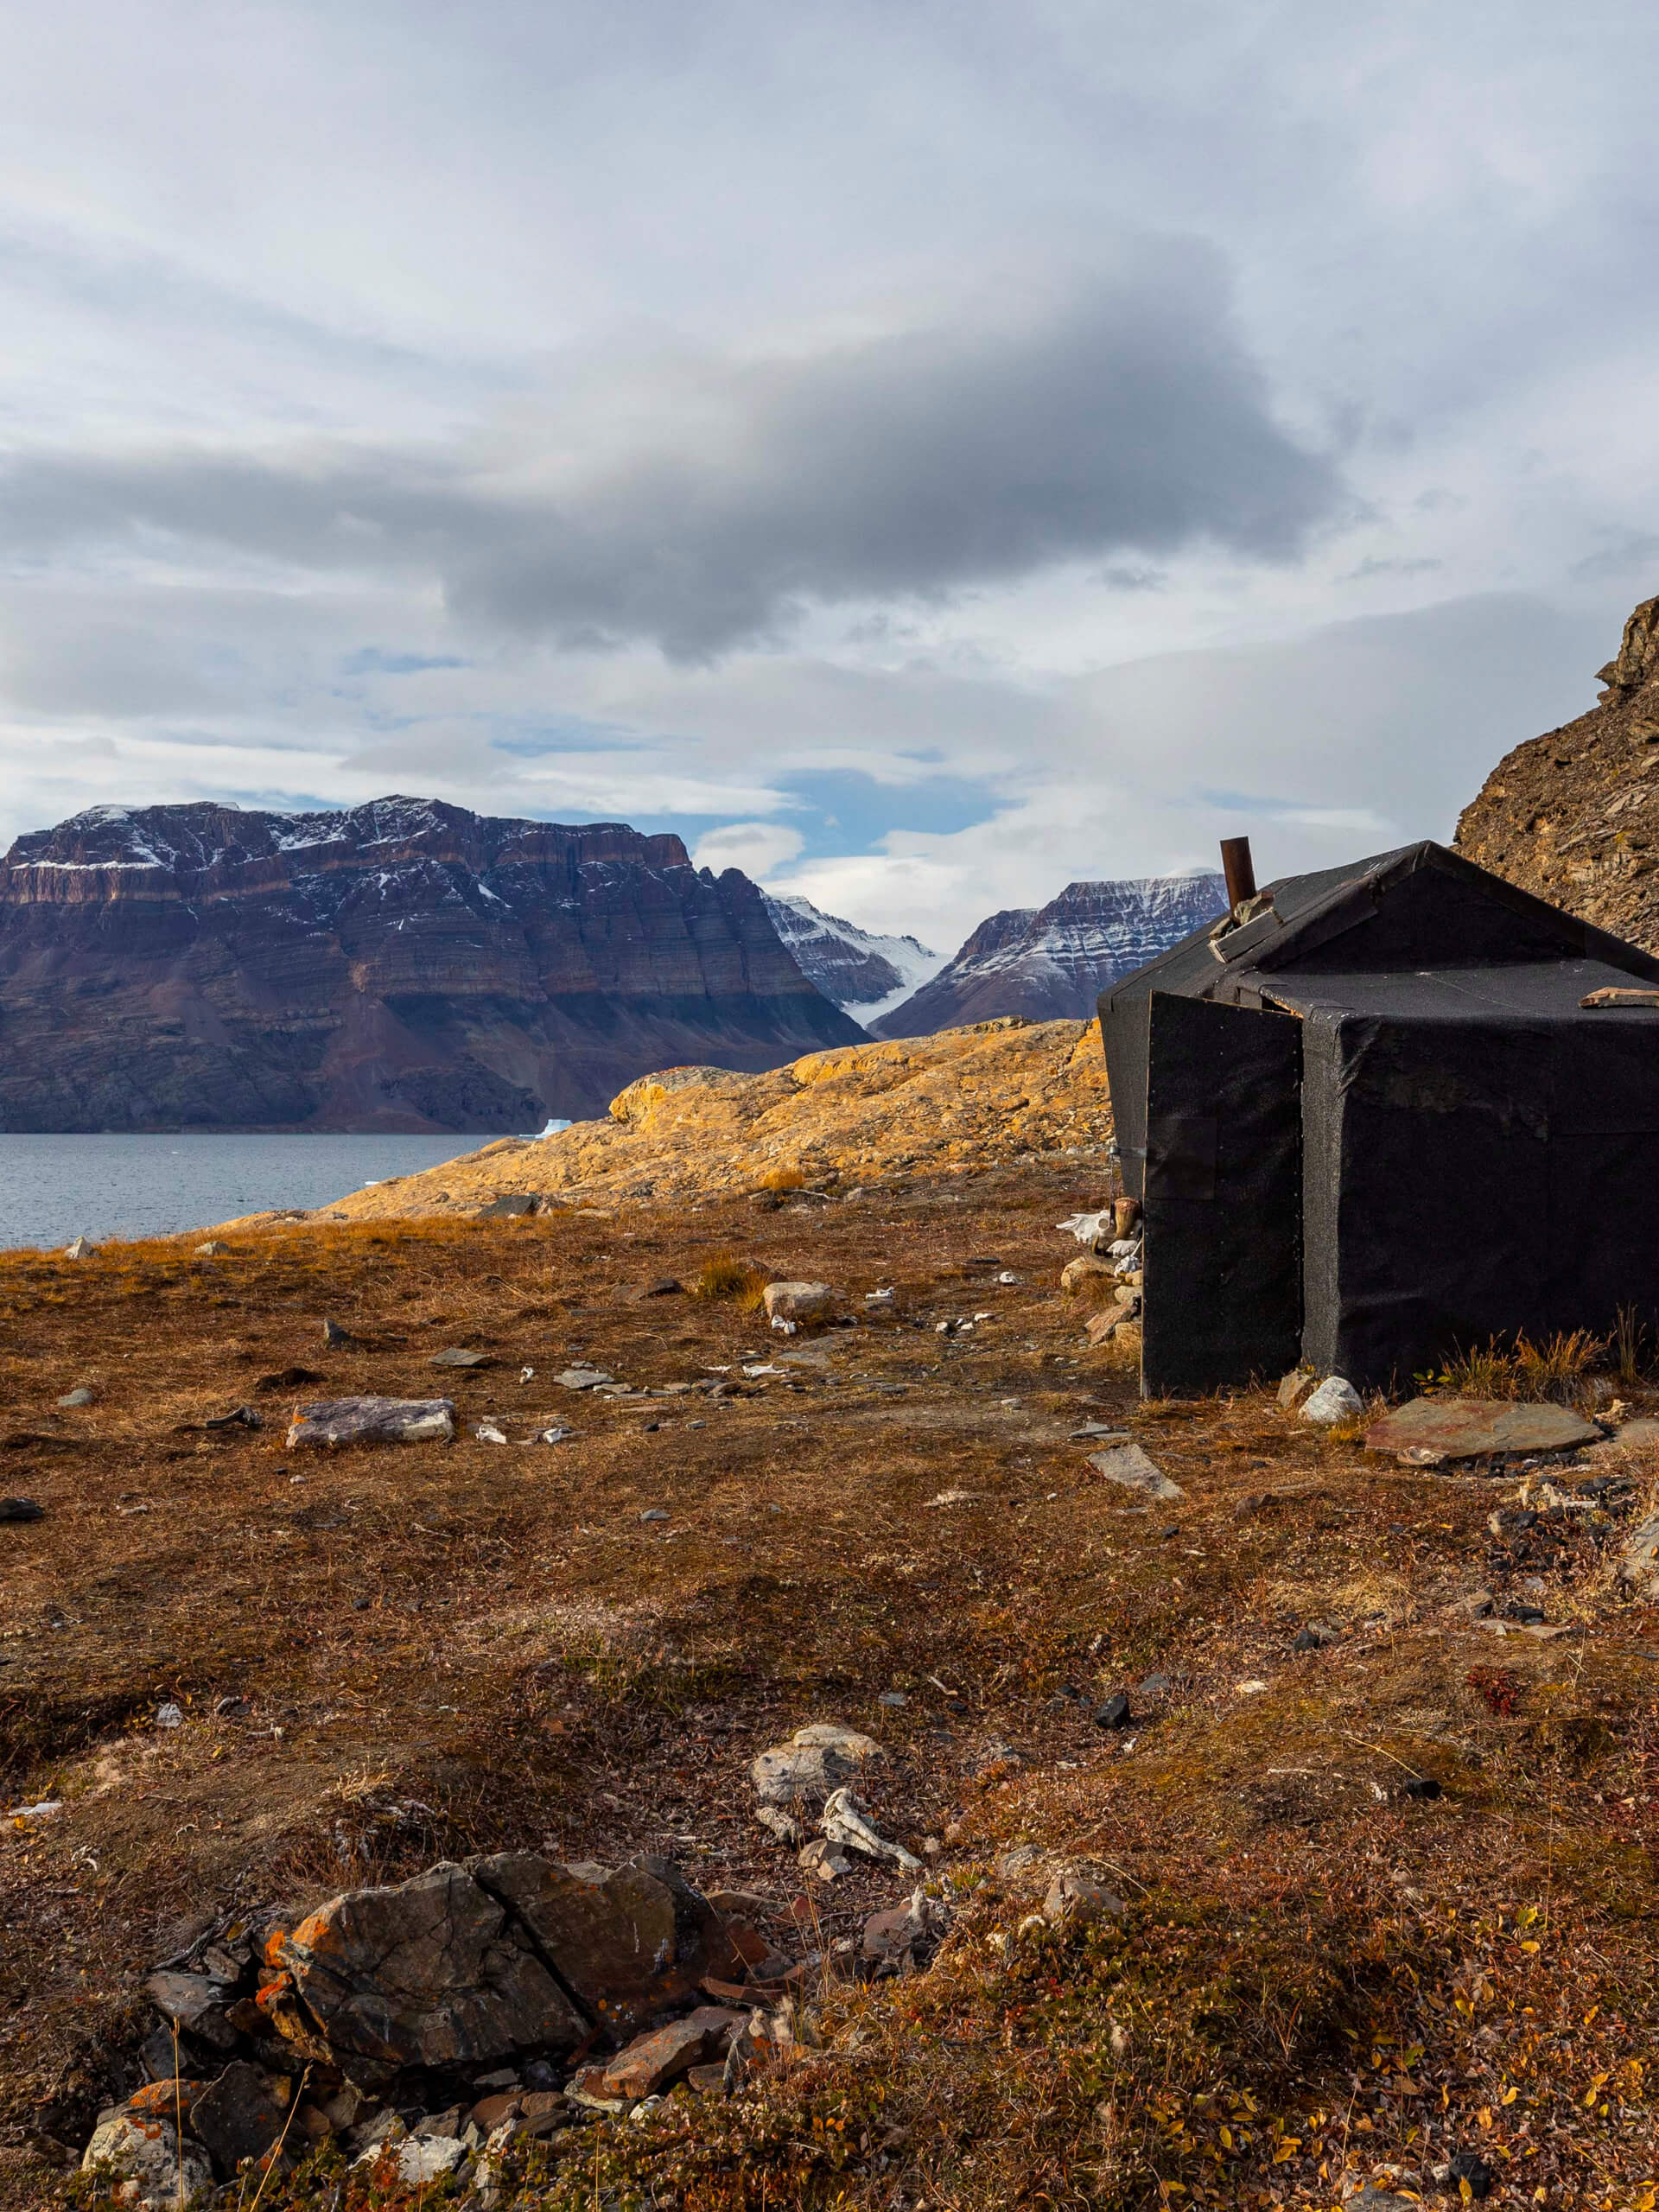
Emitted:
<point x="760" y="848"/>
<point x="370" y="368"/>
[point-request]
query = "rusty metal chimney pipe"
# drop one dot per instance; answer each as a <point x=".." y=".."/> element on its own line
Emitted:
<point x="1239" y="870"/>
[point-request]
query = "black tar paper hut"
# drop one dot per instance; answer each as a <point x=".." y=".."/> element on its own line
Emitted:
<point x="1372" y="1123"/>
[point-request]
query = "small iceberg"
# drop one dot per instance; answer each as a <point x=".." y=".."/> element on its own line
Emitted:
<point x="552" y="1129"/>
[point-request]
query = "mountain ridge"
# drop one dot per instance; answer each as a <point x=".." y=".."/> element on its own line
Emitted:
<point x="405" y="963"/>
<point x="1048" y="963"/>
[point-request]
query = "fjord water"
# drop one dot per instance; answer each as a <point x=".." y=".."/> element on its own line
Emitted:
<point x="55" y="1188"/>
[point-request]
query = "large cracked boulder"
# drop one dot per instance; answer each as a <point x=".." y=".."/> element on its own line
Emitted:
<point x="627" y="1941"/>
<point x="502" y="1955"/>
<point x="432" y="1972"/>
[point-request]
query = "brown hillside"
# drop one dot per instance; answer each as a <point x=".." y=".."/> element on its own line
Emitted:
<point x="1573" y="816"/>
<point x="999" y="1092"/>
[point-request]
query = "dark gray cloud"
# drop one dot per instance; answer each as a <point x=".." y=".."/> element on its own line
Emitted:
<point x="697" y="503"/>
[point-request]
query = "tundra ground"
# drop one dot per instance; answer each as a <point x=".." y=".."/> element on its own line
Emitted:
<point x="386" y="1656"/>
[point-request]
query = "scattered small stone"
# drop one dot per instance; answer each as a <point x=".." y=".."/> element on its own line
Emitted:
<point x="816" y="1761"/>
<point x="893" y="1697"/>
<point x="1639" y="1567"/>
<point x="1128" y="1465"/>
<point x="844" y="1822"/>
<point x="1254" y="1687"/>
<point x="195" y="2003"/>
<point x="142" y="2154"/>
<point x="552" y="1436"/>
<point x="457" y="1356"/>
<point x="335" y="1337"/>
<point x="1078" y="1898"/>
<point x="509" y="1206"/>
<point x="1336" y="1400"/>
<point x="1096" y="1432"/>
<point x="377" y="1421"/>
<point x="21" y="1508"/>
<point x="238" y="1417"/>
<point x="780" y="1824"/>
<point x="79" y="1396"/>
<point x="583" y="1378"/>
<point x="1315" y="1636"/>
<point x="82" y="1248"/>
<point x="169" y="1716"/>
<point x="1297" y="1387"/>
<point x="1469" y="2166"/>
<point x="1113" y="1712"/>
<point x="906" y="1936"/>
<point x="828" y="1861"/>
<point x="665" y="1286"/>
<point x="1423" y="1786"/>
<point x="791" y="1305"/>
<point x="487" y="1433"/>
<point x="215" y="1249"/>
<point x="654" y="1513"/>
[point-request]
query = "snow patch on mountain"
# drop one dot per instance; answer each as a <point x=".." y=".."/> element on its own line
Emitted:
<point x="863" y="974"/>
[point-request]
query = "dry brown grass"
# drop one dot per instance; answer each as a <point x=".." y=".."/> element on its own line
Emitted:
<point x="1557" y="1370"/>
<point x="728" y="1276"/>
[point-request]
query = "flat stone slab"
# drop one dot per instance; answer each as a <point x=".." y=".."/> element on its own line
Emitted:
<point x="1128" y="1465"/>
<point x="458" y="1355"/>
<point x="1470" y="1428"/>
<point x="373" y="1420"/>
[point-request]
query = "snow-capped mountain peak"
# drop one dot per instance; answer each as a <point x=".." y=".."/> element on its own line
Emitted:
<point x="863" y="974"/>
<point x="1051" y="962"/>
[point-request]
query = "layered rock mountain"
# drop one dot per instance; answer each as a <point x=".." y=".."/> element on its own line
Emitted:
<point x="1573" y="815"/>
<point x="863" y="974"/>
<point x="403" y="965"/>
<point x="1050" y="963"/>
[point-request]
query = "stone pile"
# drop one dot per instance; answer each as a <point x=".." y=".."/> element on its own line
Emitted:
<point x="426" y="2026"/>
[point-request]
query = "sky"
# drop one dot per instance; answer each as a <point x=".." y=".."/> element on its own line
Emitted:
<point x="922" y="454"/>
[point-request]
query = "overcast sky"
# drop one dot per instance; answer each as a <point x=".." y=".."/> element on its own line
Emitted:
<point x="923" y="453"/>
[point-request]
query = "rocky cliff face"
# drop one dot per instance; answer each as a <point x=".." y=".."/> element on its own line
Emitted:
<point x="407" y="965"/>
<point x="1050" y="963"/>
<point x="861" y="973"/>
<point x="1573" y="816"/>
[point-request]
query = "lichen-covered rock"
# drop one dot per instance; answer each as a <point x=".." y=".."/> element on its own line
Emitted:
<point x="430" y="1972"/>
<point x="815" y="1762"/>
<point x="139" y="2154"/>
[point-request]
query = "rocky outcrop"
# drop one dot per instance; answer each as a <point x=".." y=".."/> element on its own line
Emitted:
<point x="1573" y="816"/>
<point x="863" y="974"/>
<point x="1050" y="963"/>
<point x="406" y="965"/>
<point x="998" y="1092"/>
